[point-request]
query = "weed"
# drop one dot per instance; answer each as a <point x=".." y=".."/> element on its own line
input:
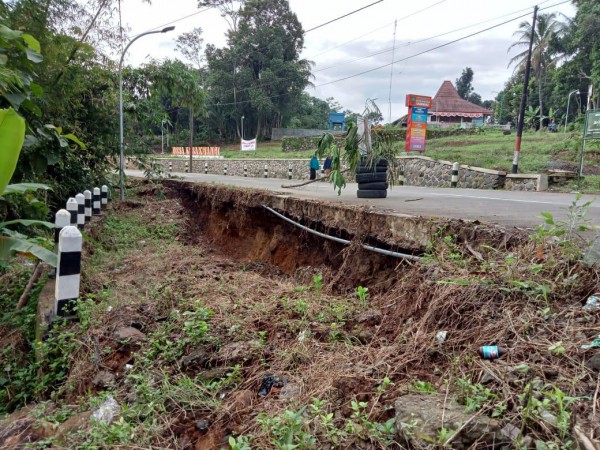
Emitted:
<point x="362" y="293"/>
<point x="318" y="282"/>
<point x="473" y="396"/>
<point x="423" y="386"/>
<point x="239" y="443"/>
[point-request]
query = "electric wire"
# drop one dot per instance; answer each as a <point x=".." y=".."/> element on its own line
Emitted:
<point x="344" y="16"/>
<point x="396" y="61"/>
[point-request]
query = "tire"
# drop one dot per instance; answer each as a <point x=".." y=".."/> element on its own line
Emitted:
<point x="365" y="169"/>
<point x="376" y="186"/>
<point x="371" y="194"/>
<point x="371" y="177"/>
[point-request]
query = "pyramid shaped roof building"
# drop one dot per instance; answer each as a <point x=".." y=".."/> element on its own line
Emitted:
<point x="448" y="103"/>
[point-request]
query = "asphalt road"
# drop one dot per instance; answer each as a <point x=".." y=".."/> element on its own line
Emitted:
<point x="507" y="208"/>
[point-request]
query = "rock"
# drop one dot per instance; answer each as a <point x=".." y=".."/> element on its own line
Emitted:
<point x="104" y="379"/>
<point x="370" y="317"/>
<point x="594" y="363"/>
<point x="129" y="334"/>
<point x="242" y="400"/>
<point x="237" y="352"/>
<point x="202" y="425"/>
<point x="419" y="417"/>
<point x="214" y="374"/>
<point x="290" y="392"/>
<point x="197" y="358"/>
<point x="73" y="424"/>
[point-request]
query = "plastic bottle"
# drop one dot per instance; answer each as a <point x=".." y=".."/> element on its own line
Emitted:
<point x="491" y="351"/>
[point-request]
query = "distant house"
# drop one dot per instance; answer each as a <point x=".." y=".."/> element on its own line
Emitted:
<point x="450" y="109"/>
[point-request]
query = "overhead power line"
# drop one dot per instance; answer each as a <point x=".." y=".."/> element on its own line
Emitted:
<point x="341" y="17"/>
<point x="403" y="59"/>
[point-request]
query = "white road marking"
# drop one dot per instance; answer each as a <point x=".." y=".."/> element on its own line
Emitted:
<point x="493" y="198"/>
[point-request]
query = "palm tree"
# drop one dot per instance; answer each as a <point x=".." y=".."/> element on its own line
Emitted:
<point x="547" y="27"/>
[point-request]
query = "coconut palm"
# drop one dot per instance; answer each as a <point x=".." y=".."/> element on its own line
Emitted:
<point x="546" y="29"/>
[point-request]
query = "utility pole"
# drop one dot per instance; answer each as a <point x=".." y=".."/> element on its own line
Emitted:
<point x="515" y="166"/>
<point x="191" y="136"/>
<point x="392" y="69"/>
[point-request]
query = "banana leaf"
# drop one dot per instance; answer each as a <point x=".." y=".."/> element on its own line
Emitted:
<point x="10" y="245"/>
<point x="25" y="187"/>
<point x="12" y="135"/>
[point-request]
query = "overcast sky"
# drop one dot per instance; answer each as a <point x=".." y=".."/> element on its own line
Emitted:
<point x="342" y="49"/>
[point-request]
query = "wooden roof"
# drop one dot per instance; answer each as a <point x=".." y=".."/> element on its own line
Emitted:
<point x="448" y="103"/>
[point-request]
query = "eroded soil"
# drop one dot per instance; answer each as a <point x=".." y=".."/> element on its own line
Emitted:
<point x="213" y="299"/>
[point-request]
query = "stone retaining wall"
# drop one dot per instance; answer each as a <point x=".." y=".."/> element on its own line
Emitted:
<point x="526" y="182"/>
<point x="424" y="171"/>
<point x="418" y="171"/>
<point x="277" y="168"/>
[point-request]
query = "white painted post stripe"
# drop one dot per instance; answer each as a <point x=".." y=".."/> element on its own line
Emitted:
<point x="88" y="205"/>
<point x="454" y="179"/>
<point x="61" y="220"/>
<point x="68" y="270"/>
<point x="96" y="202"/>
<point x="104" y="195"/>
<point x="72" y="208"/>
<point x="80" y="210"/>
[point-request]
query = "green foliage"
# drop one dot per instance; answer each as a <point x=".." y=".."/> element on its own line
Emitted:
<point x="566" y="232"/>
<point x="318" y="282"/>
<point x="363" y="294"/>
<point x="473" y="396"/>
<point x="423" y="387"/>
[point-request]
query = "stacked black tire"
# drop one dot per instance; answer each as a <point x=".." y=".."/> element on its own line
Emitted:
<point x="372" y="181"/>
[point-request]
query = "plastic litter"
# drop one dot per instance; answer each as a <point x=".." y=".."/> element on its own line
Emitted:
<point x="594" y="344"/>
<point x="592" y="303"/>
<point x="441" y="336"/>
<point x="491" y="352"/>
<point x="270" y="381"/>
<point x="108" y="410"/>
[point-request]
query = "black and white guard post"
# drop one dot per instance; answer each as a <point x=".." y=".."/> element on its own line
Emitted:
<point x="205" y="168"/>
<point x="61" y="220"/>
<point x="266" y="171"/>
<point x="104" y="195"/>
<point x="401" y="177"/>
<point x="96" y="202"/>
<point x="245" y="170"/>
<point x="170" y="167"/>
<point x="225" y="170"/>
<point x="454" y="179"/>
<point x="187" y="166"/>
<point x="68" y="273"/>
<point x="72" y="208"/>
<point x="80" y="210"/>
<point x="88" y="205"/>
<point x="290" y="172"/>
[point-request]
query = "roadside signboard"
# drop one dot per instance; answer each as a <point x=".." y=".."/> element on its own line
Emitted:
<point x="416" y="132"/>
<point x="249" y="146"/>
<point x="592" y="122"/>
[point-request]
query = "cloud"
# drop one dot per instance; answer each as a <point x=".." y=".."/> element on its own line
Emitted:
<point x="421" y="74"/>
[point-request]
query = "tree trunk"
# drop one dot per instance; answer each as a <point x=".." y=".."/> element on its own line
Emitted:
<point x="541" y="100"/>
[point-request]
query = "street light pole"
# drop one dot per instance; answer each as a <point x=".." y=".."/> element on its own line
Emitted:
<point x="162" y="136"/>
<point x="242" y="128"/>
<point x="576" y="91"/>
<point x="121" y="145"/>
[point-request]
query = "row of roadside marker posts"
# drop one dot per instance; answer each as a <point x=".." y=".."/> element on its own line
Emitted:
<point x="401" y="180"/>
<point x="69" y="222"/>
